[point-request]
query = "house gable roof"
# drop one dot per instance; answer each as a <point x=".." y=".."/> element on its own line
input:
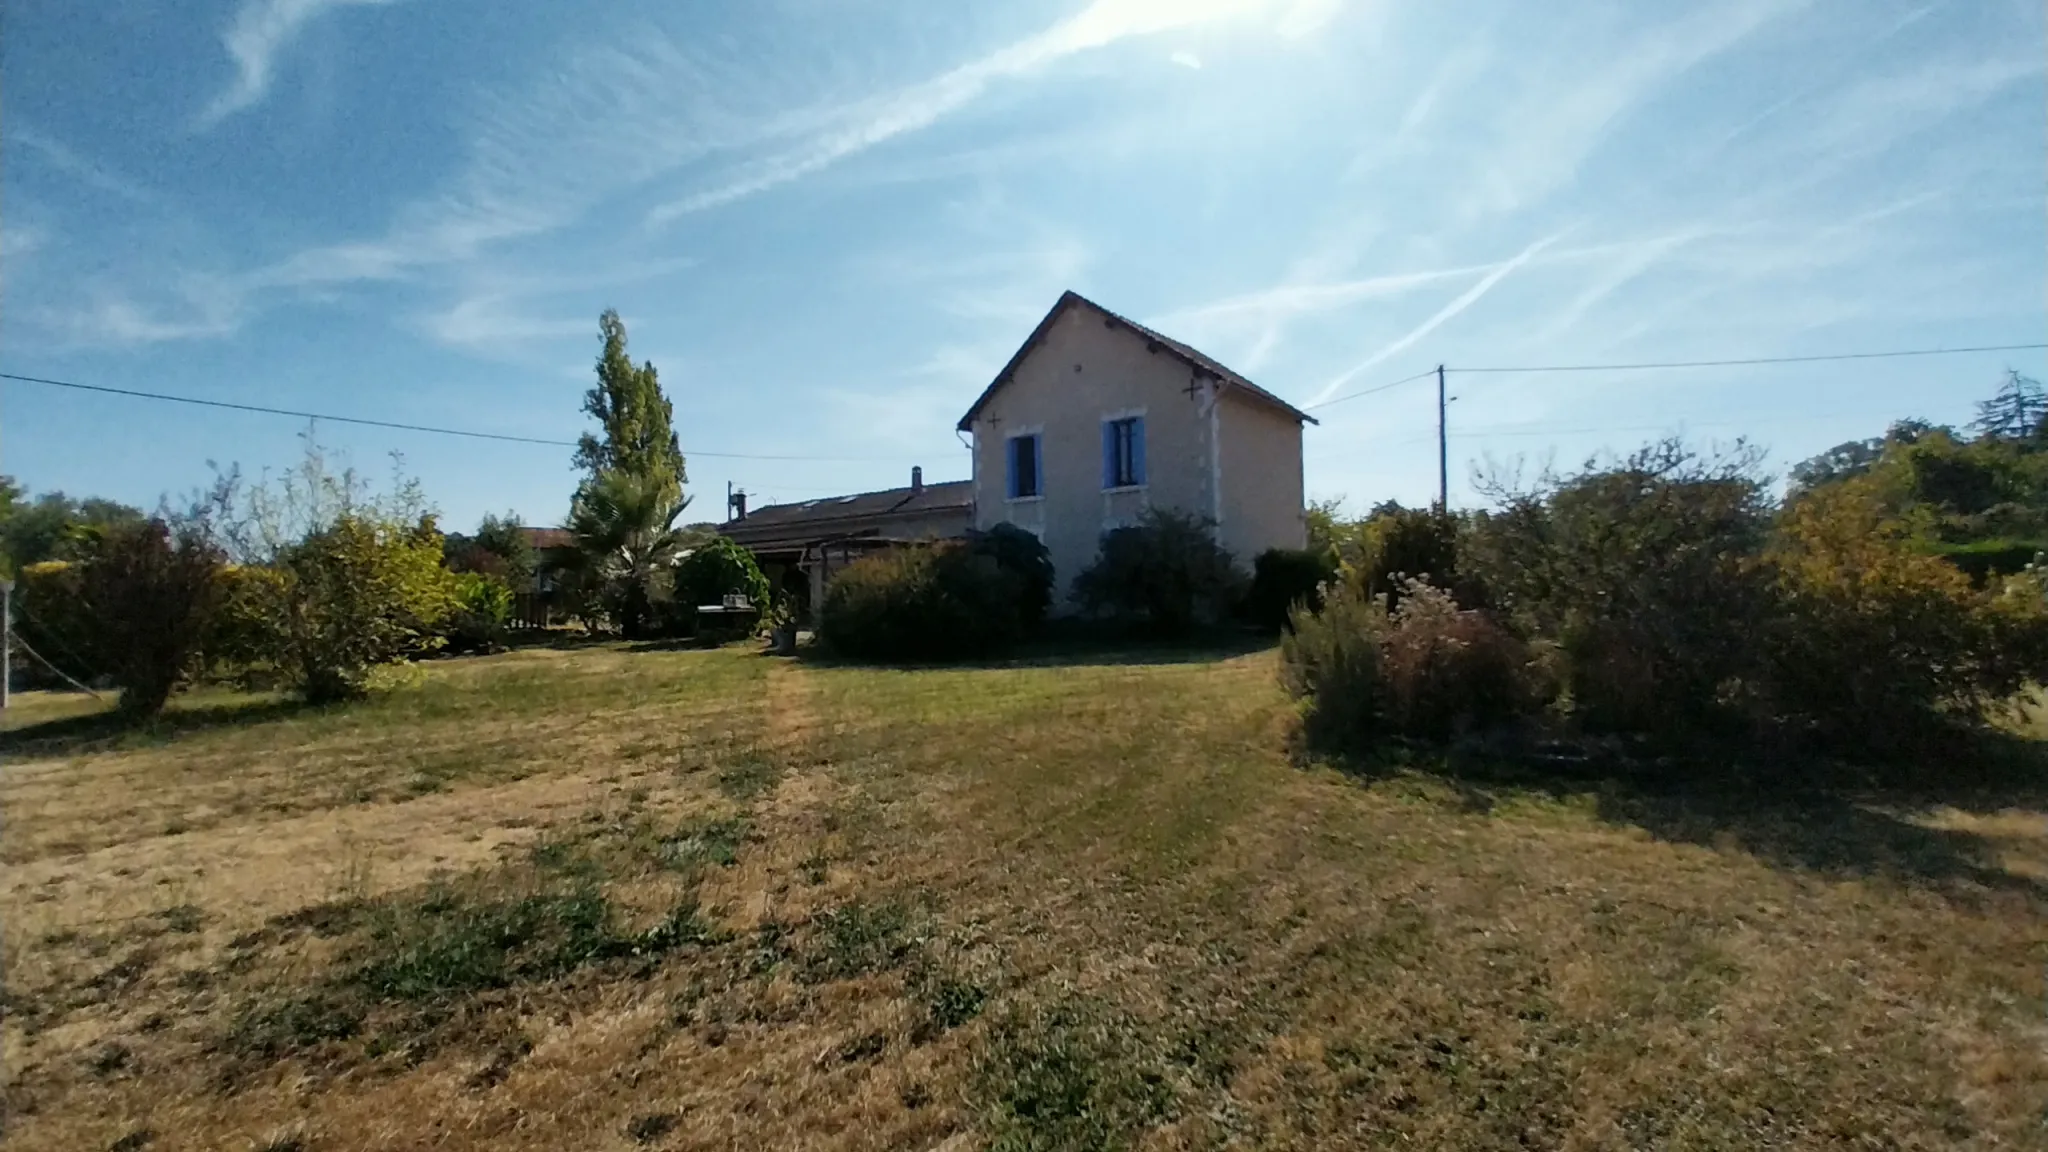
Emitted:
<point x="1201" y="363"/>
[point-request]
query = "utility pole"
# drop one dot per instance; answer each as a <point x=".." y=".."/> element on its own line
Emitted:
<point x="1443" y="447"/>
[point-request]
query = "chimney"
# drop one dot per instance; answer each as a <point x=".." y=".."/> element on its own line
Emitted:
<point x="739" y="505"/>
<point x="916" y="479"/>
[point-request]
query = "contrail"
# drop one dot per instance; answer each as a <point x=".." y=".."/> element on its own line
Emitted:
<point x="1465" y="300"/>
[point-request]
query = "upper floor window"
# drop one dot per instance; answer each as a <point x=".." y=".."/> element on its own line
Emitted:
<point x="1026" y="469"/>
<point x="1123" y="452"/>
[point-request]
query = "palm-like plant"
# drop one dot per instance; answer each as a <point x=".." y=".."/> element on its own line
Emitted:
<point x="626" y="538"/>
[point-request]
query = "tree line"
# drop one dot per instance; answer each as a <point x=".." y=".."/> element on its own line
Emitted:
<point x="312" y="580"/>
<point x="1893" y="593"/>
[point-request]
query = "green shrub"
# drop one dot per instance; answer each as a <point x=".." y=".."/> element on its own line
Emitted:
<point x="1427" y="670"/>
<point x="711" y="572"/>
<point x="1167" y="573"/>
<point x="242" y="646"/>
<point x="1331" y="660"/>
<point x="1875" y="637"/>
<point x="50" y="617"/>
<point x="1019" y="552"/>
<point x="1643" y="573"/>
<point x="357" y="594"/>
<point x="147" y="597"/>
<point x="482" y="612"/>
<point x="1985" y="561"/>
<point x="931" y="602"/>
<point x="498" y="548"/>
<point x="1397" y="545"/>
<point x="1283" y="578"/>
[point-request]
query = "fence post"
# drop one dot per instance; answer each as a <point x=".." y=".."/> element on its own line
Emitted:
<point x="6" y="640"/>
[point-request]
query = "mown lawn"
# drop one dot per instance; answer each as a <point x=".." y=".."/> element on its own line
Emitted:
<point x="618" y="899"/>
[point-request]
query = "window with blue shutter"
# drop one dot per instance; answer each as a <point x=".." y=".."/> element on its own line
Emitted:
<point x="1123" y="452"/>
<point x="1025" y="467"/>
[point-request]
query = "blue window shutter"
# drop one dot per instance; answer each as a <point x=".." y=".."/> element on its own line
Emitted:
<point x="1037" y="466"/>
<point x="1137" y="449"/>
<point x="1109" y="453"/>
<point x="1010" y="462"/>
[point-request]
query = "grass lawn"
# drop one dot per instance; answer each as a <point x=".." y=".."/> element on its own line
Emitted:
<point x="613" y="899"/>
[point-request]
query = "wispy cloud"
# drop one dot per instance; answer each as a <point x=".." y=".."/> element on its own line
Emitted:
<point x="88" y="172"/>
<point x="614" y="117"/>
<point x="1301" y="299"/>
<point x="892" y="114"/>
<point x="190" y="307"/>
<point x="1627" y="263"/>
<point x="1187" y="60"/>
<point x="503" y="315"/>
<point x="20" y="240"/>
<point x="1540" y="147"/>
<point x="261" y="30"/>
<point x="1444" y="315"/>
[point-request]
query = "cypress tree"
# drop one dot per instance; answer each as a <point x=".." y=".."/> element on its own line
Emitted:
<point x="636" y="430"/>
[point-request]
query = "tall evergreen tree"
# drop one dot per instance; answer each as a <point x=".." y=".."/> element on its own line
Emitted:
<point x="2016" y="411"/>
<point x="636" y="433"/>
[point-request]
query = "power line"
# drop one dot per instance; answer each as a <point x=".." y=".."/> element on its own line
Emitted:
<point x="474" y="435"/>
<point x="1370" y="391"/>
<point x="1756" y="360"/>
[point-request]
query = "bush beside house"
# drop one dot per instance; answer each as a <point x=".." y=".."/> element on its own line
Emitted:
<point x="1165" y="574"/>
<point x="951" y="600"/>
<point x="1284" y="579"/>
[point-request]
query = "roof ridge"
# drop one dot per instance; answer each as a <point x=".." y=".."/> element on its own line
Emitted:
<point x="928" y="486"/>
<point x="1194" y="357"/>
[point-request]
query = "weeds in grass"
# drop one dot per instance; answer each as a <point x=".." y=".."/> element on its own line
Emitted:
<point x="714" y="842"/>
<point x="295" y="1024"/>
<point x="650" y="1126"/>
<point x="124" y="973"/>
<point x="447" y="945"/>
<point x="1074" y="1075"/>
<point x="184" y="919"/>
<point x="108" y="1059"/>
<point x="946" y="999"/>
<point x="749" y="777"/>
<point x="860" y="938"/>
<point x="433" y="948"/>
<point x="863" y="1048"/>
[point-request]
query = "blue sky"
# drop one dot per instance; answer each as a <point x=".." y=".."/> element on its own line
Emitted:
<point x="829" y="222"/>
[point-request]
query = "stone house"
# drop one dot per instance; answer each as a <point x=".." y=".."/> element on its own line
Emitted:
<point x="1095" y="419"/>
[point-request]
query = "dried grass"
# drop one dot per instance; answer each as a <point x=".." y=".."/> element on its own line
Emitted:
<point x="1044" y="906"/>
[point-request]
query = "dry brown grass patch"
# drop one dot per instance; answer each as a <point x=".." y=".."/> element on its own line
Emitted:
<point x="1077" y="906"/>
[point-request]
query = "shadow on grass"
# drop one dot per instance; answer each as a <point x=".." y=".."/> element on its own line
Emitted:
<point x="109" y="730"/>
<point x="1803" y="816"/>
<point x="1079" y="648"/>
<point x="557" y="639"/>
